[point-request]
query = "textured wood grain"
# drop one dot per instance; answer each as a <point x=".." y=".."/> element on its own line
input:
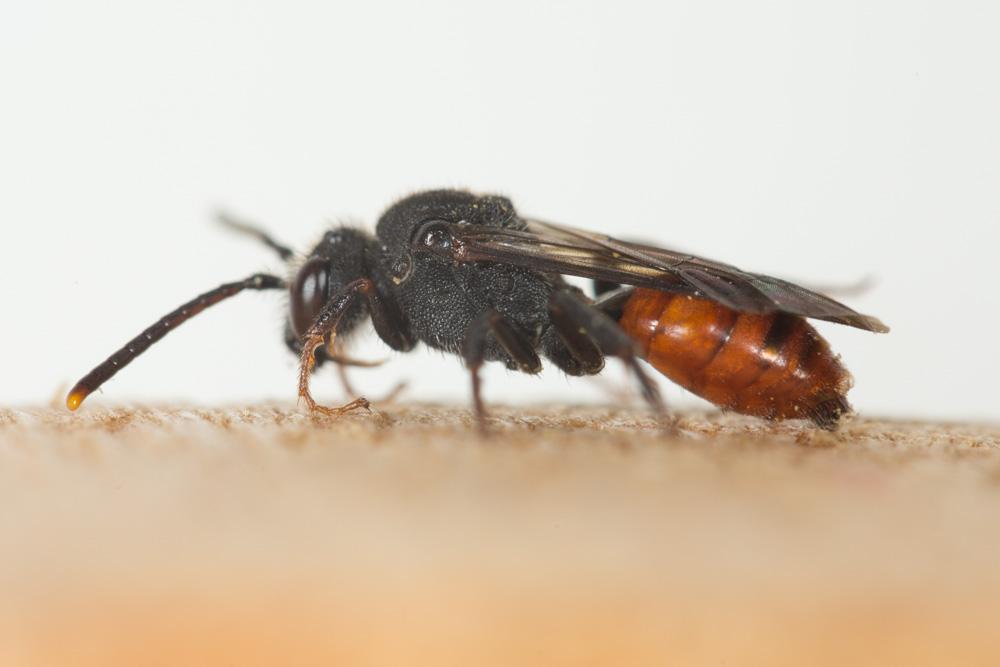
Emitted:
<point x="261" y="536"/>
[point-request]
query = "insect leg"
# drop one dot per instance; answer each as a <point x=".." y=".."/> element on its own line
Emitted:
<point x="585" y="357"/>
<point x="613" y="301"/>
<point x="227" y="220"/>
<point x="342" y="362"/>
<point x="123" y="357"/>
<point x="510" y="339"/>
<point x="387" y="321"/>
<point x="325" y="325"/>
<point x="602" y="287"/>
<point x="612" y="340"/>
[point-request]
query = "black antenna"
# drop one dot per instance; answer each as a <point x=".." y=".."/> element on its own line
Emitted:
<point x="132" y="349"/>
<point x="234" y="223"/>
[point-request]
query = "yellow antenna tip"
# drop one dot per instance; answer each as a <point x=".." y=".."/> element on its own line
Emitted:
<point x="74" y="400"/>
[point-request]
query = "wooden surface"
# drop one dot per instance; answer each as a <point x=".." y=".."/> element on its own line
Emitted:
<point x="573" y="536"/>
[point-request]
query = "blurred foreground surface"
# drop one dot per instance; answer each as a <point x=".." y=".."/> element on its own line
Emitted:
<point x="263" y="536"/>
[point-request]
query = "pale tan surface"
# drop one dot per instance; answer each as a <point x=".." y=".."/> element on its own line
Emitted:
<point x="261" y="537"/>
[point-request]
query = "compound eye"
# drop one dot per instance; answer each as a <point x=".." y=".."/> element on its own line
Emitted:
<point x="310" y="291"/>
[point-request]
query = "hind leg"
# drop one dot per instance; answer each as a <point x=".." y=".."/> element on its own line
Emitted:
<point x="573" y="316"/>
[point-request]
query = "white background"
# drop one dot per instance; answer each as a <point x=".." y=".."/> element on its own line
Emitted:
<point x="816" y="141"/>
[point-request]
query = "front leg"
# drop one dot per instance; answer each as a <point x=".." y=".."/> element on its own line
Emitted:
<point x="388" y="323"/>
<point x="514" y="343"/>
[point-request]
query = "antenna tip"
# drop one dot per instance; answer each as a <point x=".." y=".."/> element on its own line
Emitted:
<point x="75" y="398"/>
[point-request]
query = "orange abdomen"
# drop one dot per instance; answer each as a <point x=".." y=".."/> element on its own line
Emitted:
<point x="774" y="366"/>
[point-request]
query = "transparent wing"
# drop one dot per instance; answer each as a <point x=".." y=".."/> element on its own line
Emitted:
<point x="551" y="248"/>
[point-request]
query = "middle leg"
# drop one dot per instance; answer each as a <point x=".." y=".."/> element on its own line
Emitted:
<point x="341" y="361"/>
<point x="514" y="343"/>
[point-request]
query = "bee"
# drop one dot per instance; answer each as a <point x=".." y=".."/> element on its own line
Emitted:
<point x="465" y="273"/>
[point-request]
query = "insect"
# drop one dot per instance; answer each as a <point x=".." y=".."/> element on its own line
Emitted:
<point x="466" y="274"/>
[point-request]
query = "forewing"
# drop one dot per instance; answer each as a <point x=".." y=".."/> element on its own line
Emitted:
<point x="551" y="248"/>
